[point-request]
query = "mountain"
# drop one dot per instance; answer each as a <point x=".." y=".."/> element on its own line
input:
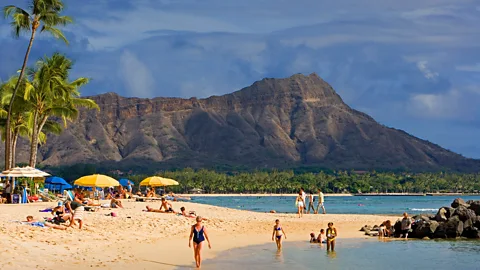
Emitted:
<point x="282" y="123"/>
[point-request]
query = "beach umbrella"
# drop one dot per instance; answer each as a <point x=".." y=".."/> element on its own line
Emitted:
<point x="124" y="182"/>
<point x="96" y="180"/>
<point x="157" y="181"/>
<point x="24" y="172"/>
<point x="57" y="183"/>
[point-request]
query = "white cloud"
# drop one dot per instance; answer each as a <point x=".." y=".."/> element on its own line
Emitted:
<point x="136" y="75"/>
<point x="442" y="105"/>
<point x="429" y="74"/>
<point x="469" y="68"/>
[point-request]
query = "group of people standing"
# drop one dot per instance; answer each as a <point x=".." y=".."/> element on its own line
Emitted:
<point x="301" y="202"/>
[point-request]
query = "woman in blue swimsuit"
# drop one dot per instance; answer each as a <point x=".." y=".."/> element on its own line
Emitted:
<point x="278" y="234"/>
<point x="199" y="234"/>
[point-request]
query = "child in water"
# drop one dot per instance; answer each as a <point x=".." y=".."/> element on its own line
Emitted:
<point x="331" y="235"/>
<point x="319" y="239"/>
<point x="278" y="234"/>
<point x="199" y="234"/>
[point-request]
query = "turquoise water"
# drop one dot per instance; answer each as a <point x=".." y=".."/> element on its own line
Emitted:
<point x="353" y="254"/>
<point x="339" y="205"/>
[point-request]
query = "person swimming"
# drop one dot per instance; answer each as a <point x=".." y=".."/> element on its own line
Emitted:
<point x="278" y="234"/>
<point x="198" y="234"/>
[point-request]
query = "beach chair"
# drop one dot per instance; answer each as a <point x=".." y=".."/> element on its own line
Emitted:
<point x="46" y="197"/>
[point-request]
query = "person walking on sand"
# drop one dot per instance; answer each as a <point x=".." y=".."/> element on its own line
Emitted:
<point x="278" y="234"/>
<point x="199" y="234"/>
<point x="331" y="235"/>
<point x="311" y="201"/>
<point x="300" y="203"/>
<point x="321" y="200"/>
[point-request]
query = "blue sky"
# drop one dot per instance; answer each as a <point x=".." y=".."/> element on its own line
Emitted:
<point x="411" y="64"/>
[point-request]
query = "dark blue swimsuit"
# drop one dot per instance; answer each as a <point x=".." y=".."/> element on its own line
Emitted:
<point x="198" y="236"/>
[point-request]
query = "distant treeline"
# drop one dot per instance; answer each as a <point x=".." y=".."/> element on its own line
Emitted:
<point x="289" y="181"/>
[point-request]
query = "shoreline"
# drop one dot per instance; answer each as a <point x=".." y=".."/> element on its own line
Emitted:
<point x="147" y="240"/>
<point x="262" y="195"/>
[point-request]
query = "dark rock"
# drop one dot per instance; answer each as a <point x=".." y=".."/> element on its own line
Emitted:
<point x="459" y="202"/>
<point x="397" y="228"/>
<point x="468" y="223"/>
<point x="475" y="206"/>
<point x="471" y="232"/>
<point x="453" y="228"/>
<point x="464" y="213"/>
<point x="424" y="229"/>
<point x="441" y="214"/>
<point x="469" y="201"/>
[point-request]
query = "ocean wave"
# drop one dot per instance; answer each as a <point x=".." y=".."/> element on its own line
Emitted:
<point x="424" y="209"/>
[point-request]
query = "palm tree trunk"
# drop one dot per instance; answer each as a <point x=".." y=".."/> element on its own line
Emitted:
<point x="14" y="146"/>
<point x="34" y="141"/>
<point x="8" y="138"/>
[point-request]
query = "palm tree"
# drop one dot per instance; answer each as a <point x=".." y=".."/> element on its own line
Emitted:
<point x="52" y="95"/>
<point x="20" y="114"/>
<point x="44" y="13"/>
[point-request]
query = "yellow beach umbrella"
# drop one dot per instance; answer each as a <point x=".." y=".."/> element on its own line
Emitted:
<point x="157" y="181"/>
<point x="96" y="180"/>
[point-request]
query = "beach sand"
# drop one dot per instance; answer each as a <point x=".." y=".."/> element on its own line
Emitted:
<point x="150" y="240"/>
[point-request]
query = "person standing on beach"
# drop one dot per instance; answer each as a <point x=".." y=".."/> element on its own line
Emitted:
<point x="198" y="234"/>
<point x="278" y="234"/>
<point x="310" y="202"/>
<point x="321" y="200"/>
<point x="300" y="203"/>
<point x="331" y="235"/>
<point x="406" y="225"/>
<point x="304" y="197"/>
<point x="76" y="209"/>
<point x="8" y="192"/>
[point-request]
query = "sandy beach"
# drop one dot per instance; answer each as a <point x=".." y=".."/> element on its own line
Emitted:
<point x="149" y="240"/>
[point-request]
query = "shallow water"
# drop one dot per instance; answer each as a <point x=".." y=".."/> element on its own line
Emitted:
<point x="353" y="254"/>
<point x="339" y="205"/>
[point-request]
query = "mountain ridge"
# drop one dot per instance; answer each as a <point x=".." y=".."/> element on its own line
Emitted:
<point x="274" y="123"/>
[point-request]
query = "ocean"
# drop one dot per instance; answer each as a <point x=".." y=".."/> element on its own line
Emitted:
<point x="394" y="205"/>
<point x="353" y="254"/>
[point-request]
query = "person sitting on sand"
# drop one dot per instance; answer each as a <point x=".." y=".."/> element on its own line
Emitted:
<point x="331" y="235"/>
<point x="278" y="234"/>
<point x="89" y="202"/>
<point x="150" y="193"/>
<point x="114" y="203"/>
<point x="388" y="228"/>
<point x="319" y="239"/>
<point x="167" y="206"/>
<point x="42" y="224"/>
<point x="198" y="233"/>
<point x="60" y="216"/>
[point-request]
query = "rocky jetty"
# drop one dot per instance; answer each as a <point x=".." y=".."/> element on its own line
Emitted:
<point x="460" y="219"/>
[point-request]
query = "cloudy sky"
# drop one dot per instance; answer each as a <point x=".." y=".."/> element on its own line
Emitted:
<point x="411" y="64"/>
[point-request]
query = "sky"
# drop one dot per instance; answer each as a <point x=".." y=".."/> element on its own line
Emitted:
<point x="411" y="64"/>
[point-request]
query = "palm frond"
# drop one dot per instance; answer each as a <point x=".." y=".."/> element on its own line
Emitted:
<point x="85" y="103"/>
<point x="55" y="32"/>
<point x="21" y="19"/>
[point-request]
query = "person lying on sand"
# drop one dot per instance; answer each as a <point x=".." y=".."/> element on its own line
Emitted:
<point x="190" y="214"/>
<point x="42" y="224"/>
<point x="90" y="202"/>
<point x="150" y="209"/>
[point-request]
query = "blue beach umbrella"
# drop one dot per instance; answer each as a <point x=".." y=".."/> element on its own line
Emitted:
<point x="57" y="183"/>
<point x="86" y="188"/>
<point x="124" y="182"/>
